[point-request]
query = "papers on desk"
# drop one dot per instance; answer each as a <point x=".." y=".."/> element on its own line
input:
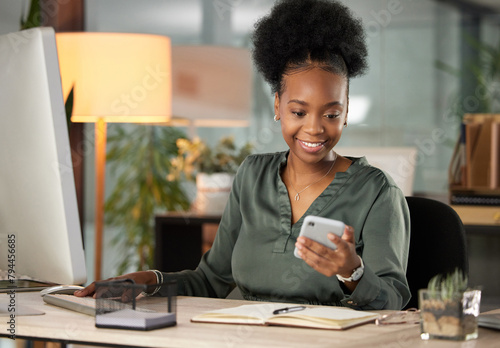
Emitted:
<point x="333" y="318"/>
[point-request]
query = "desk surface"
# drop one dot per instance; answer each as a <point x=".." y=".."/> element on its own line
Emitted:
<point x="63" y="325"/>
<point x="479" y="215"/>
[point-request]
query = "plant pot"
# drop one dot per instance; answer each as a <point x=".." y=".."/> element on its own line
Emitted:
<point x="212" y="193"/>
<point x="452" y="318"/>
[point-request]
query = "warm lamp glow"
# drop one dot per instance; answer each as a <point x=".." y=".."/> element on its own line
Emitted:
<point x="117" y="77"/>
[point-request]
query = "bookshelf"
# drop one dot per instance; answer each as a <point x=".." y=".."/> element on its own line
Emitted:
<point x="474" y="172"/>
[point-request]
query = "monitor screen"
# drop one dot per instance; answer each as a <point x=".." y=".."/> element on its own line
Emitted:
<point x="40" y="234"/>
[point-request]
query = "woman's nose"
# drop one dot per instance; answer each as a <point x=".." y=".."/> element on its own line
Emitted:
<point x="313" y="125"/>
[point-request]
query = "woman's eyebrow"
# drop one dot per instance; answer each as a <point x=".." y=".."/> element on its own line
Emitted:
<point x="301" y="102"/>
<point x="333" y="103"/>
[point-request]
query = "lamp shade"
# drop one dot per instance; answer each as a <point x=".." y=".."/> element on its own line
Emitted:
<point x="116" y="77"/>
<point x="212" y="85"/>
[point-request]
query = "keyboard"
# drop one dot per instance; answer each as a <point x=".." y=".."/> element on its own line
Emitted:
<point x="86" y="305"/>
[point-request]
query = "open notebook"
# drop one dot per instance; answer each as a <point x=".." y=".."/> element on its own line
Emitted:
<point x="321" y="317"/>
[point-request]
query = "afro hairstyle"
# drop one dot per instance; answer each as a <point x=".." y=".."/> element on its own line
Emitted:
<point x="301" y="33"/>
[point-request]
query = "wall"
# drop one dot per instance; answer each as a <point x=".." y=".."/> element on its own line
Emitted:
<point x="407" y="94"/>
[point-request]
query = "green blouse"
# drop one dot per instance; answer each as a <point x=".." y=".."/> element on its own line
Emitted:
<point x="255" y="241"/>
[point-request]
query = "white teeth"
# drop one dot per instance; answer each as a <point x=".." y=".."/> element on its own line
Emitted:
<point x="311" y="144"/>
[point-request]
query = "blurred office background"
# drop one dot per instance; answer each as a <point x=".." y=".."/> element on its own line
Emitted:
<point x="403" y="100"/>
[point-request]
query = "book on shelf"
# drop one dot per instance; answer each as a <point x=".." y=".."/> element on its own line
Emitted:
<point x="474" y="147"/>
<point x="495" y="155"/>
<point x="474" y="196"/>
<point x="474" y="171"/>
<point x="458" y="165"/>
<point x="317" y="317"/>
<point x="465" y="199"/>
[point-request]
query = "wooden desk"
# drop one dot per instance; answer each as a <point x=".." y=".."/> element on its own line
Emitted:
<point x="478" y="215"/>
<point x="62" y="325"/>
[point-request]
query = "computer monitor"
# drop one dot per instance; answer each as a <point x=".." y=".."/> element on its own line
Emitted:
<point x="40" y="234"/>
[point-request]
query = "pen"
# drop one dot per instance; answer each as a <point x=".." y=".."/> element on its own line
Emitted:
<point x="289" y="309"/>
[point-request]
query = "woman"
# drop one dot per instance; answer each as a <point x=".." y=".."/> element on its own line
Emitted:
<point x="307" y="50"/>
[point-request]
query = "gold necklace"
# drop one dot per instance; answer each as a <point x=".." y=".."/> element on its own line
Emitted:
<point x="297" y="196"/>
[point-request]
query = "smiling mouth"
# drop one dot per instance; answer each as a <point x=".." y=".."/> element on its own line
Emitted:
<point x="311" y="145"/>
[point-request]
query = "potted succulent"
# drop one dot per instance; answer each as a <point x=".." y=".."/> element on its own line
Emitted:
<point x="449" y="309"/>
<point x="213" y="170"/>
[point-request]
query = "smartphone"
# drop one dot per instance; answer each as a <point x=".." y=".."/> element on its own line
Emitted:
<point x="317" y="229"/>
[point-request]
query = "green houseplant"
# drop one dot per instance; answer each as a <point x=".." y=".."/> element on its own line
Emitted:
<point x="195" y="156"/>
<point x="475" y="108"/>
<point x="140" y="158"/>
<point x="449" y="308"/>
<point x="213" y="168"/>
<point x="486" y="77"/>
<point x="32" y="20"/>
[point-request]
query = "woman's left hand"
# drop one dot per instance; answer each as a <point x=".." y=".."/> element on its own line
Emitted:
<point x="327" y="261"/>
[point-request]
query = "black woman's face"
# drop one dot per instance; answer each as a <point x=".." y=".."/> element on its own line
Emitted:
<point x="313" y="110"/>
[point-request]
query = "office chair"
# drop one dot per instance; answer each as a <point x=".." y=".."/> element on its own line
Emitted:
<point x="437" y="243"/>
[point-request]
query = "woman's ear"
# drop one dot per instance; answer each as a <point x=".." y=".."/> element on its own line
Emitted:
<point x="346" y="112"/>
<point x="277" y="105"/>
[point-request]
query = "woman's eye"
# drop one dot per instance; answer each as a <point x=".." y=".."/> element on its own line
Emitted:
<point x="299" y="113"/>
<point x="332" y="115"/>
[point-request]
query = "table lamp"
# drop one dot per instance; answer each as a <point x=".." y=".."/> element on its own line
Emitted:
<point x="116" y="77"/>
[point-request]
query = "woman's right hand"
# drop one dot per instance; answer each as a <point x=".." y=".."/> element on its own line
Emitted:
<point x="143" y="277"/>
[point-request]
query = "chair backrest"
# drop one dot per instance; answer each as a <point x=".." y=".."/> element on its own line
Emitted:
<point x="437" y="244"/>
